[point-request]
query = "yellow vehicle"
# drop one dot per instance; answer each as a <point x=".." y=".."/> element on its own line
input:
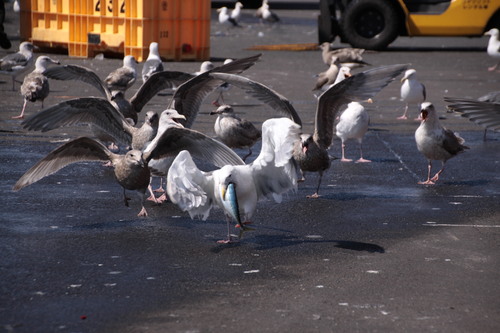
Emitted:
<point x="374" y="24"/>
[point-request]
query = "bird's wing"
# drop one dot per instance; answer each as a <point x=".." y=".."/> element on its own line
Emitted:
<point x="156" y="83"/>
<point x="486" y="114"/>
<point x="273" y="170"/>
<point x="82" y="149"/>
<point x="452" y="142"/>
<point x="264" y="94"/>
<point x="96" y="111"/>
<point x="358" y="87"/>
<point x="175" y="139"/>
<point x="74" y="72"/>
<point x="120" y="77"/>
<point x="493" y="97"/>
<point x="189" y="96"/>
<point x="12" y="60"/>
<point x="190" y="188"/>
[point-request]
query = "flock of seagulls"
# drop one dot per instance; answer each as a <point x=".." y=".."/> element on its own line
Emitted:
<point x="164" y="145"/>
<point x="232" y="18"/>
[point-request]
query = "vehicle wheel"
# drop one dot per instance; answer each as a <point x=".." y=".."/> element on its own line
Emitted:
<point x="370" y="24"/>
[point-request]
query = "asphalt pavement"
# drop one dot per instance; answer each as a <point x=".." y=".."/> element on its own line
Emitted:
<point x="375" y="253"/>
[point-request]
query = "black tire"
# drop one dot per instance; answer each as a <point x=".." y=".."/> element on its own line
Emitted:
<point x="370" y="24"/>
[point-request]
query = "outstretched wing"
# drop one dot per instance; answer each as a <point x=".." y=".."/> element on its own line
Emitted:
<point x="486" y="114"/>
<point x="273" y="170"/>
<point x="90" y="110"/>
<point x="190" y="188"/>
<point x="263" y="93"/>
<point x="156" y="83"/>
<point x="189" y="96"/>
<point x="358" y="87"/>
<point x="82" y="149"/>
<point x="74" y="72"/>
<point x="175" y="139"/>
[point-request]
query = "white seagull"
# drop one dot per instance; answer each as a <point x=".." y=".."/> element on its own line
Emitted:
<point x="436" y="142"/>
<point x="153" y="63"/>
<point x="269" y="176"/>
<point x="18" y="63"/>
<point x="353" y="124"/>
<point x="412" y="91"/>
<point x="225" y="18"/>
<point x="493" y="49"/>
<point x="236" y="12"/>
<point x="35" y="85"/>
<point x="124" y="77"/>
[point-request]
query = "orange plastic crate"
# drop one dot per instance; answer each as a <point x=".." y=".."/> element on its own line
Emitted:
<point x="87" y="27"/>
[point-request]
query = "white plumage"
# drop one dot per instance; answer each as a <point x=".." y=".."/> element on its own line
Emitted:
<point x="493" y="49"/>
<point x="412" y="91"/>
<point x="353" y="124"/>
<point x="269" y="176"/>
<point x="153" y="63"/>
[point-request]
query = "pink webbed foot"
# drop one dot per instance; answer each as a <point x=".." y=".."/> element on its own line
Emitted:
<point x="143" y="213"/>
<point x="162" y="198"/>
<point x="435" y="178"/>
<point x="18" y="117"/>
<point x="345" y="159"/>
<point x="159" y="190"/>
<point x="152" y="198"/>
<point x="313" y="196"/>
<point x="427" y="182"/>
<point x="403" y="117"/>
<point x="362" y="160"/>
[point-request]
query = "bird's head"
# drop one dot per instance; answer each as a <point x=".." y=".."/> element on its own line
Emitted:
<point x="492" y="32"/>
<point x="222" y="10"/>
<point x="409" y="73"/>
<point x="134" y="157"/>
<point x="42" y="62"/>
<point x="130" y="61"/>
<point x="171" y="116"/>
<point x="305" y="141"/>
<point x="223" y="109"/>
<point x="426" y="110"/>
<point x="27" y="47"/>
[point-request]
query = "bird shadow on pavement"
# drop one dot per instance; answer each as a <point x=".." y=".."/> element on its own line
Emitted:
<point x="268" y="242"/>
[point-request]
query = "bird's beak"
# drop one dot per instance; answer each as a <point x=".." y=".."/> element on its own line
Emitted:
<point x="214" y="112"/>
<point x="347" y="74"/>
<point x="424" y="114"/>
<point x="369" y="100"/>
<point x="218" y="10"/>
<point x="180" y="116"/>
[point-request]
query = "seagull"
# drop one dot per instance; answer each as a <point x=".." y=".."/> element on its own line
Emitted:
<point x="225" y="18"/>
<point x="268" y="15"/>
<point x="493" y="49"/>
<point x="131" y="170"/>
<point x="35" y="85"/>
<point x="412" y="91"/>
<point x="236" y="12"/>
<point x="350" y="57"/>
<point x="258" y="12"/>
<point x="15" y="64"/>
<point x="124" y="77"/>
<point x="205" y="67"/>
<point x="310" y="152"/>
<point x="329" y="76"/>
<point x="353" y="124"/>
<point x="436" y="142"/>
<point x="153" y="63"/>
<point x="222" y="88"/>
<point x="486" y="114"/>
<point x="269" y="176"/>
<point x="343" y="73"/>
<point x="234" y="131"/>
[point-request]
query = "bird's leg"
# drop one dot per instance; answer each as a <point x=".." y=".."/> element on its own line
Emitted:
<point x="143" y="211"/>
<point x="13" y="83"/>
<point x="361" y="159"/>
<point x="160" y="188"/>
<point x="152" y="196"/>
<point x="247" y="155"/>
<point x="229" y="239"/>
<point x="21" y="116"/>
<point x="484" y="135"/>
<point x="491" y="69"/>
<point x="343" y="159"/>
<point x="404" y="116"/>
<point x="302" y="176"/>
<point x="125" y="198"/>
<point x="428" y="181"/>
<point x="316" y="195"/>
<point x="436" y="176"/>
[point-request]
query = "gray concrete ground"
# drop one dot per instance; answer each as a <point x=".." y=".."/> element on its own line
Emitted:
<point x="376" y="252"/>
